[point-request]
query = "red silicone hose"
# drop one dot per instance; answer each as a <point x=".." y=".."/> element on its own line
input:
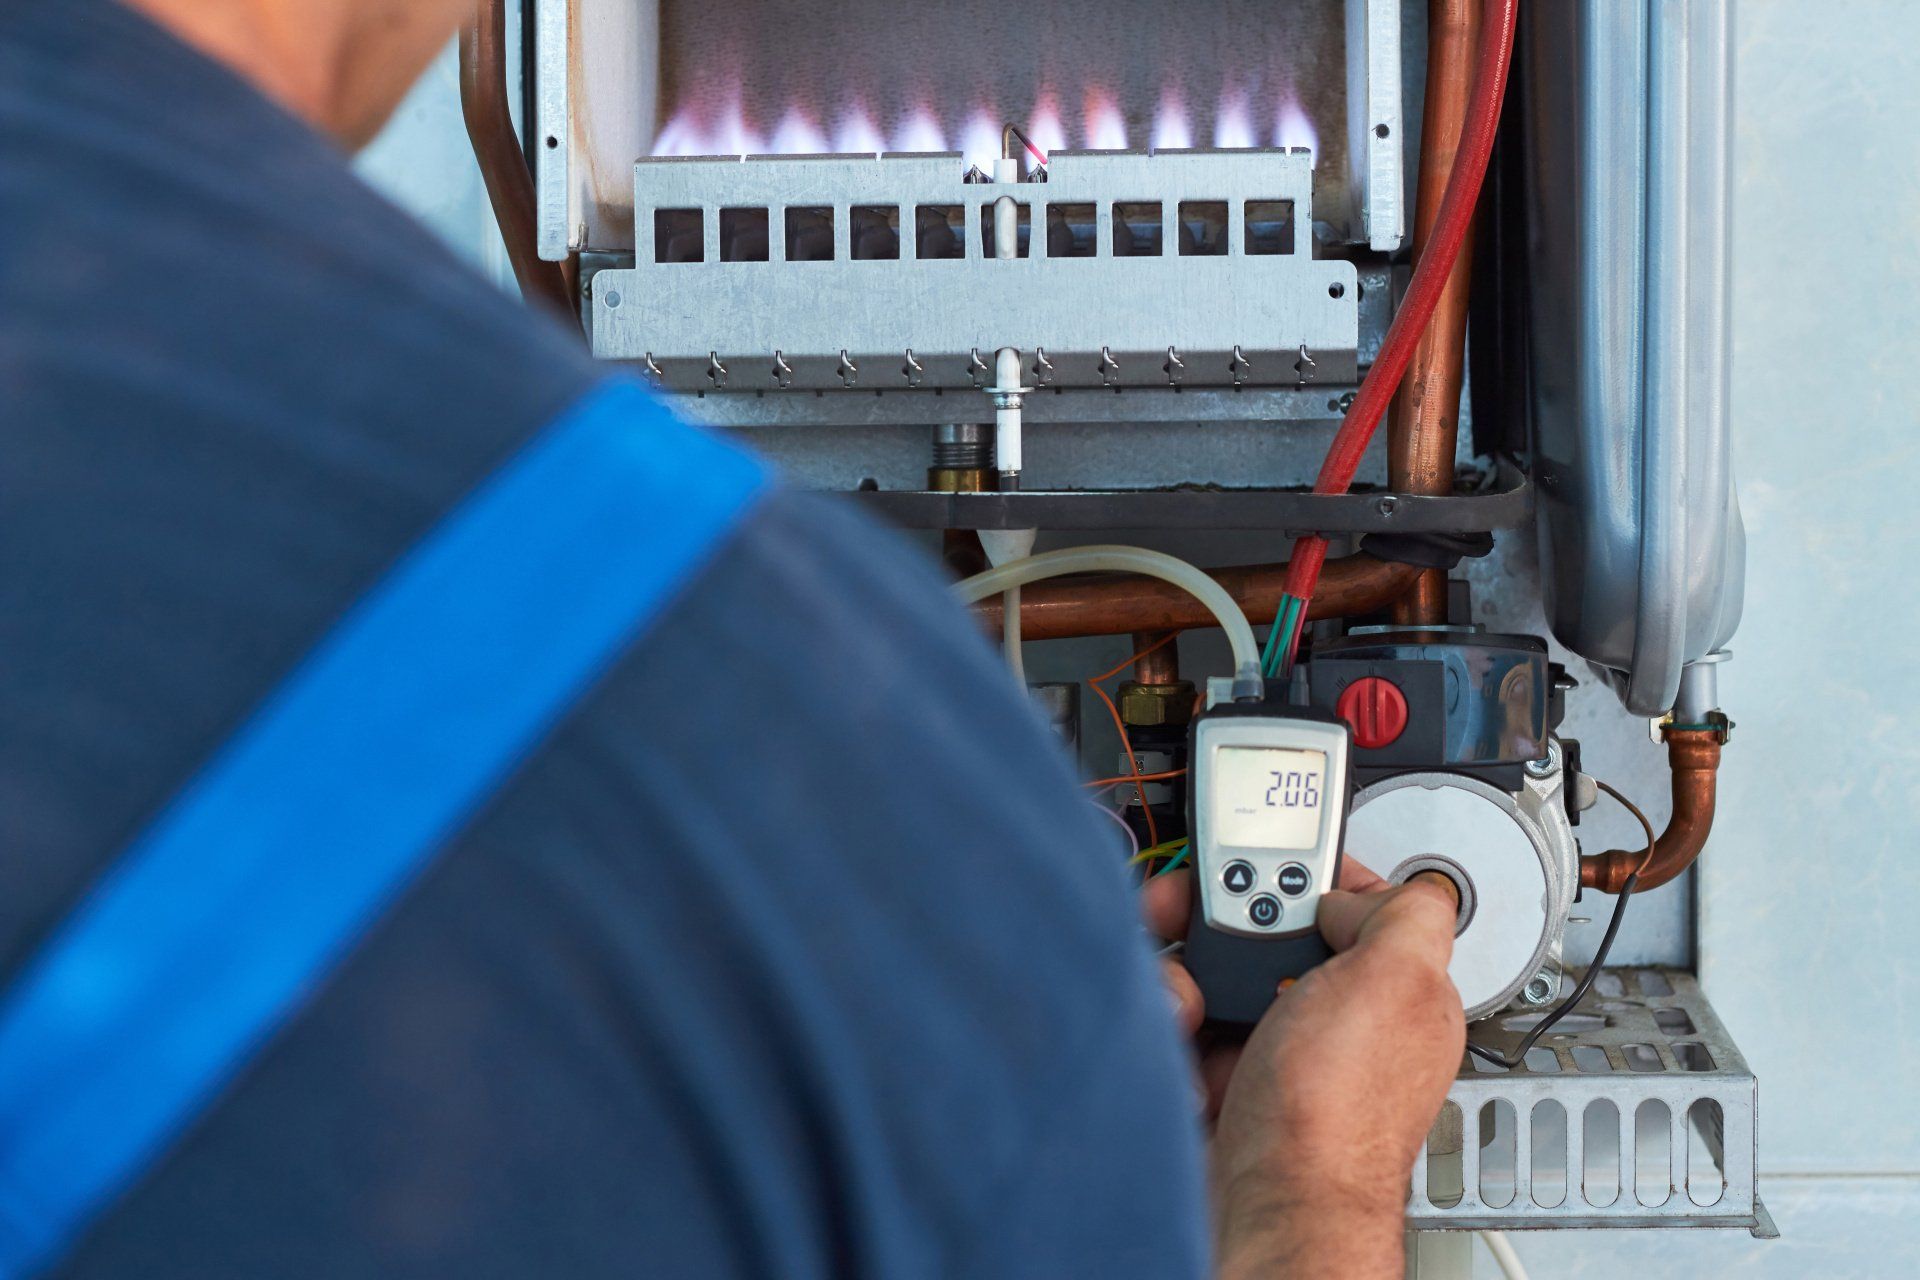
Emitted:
<point x="1423" y="291"/>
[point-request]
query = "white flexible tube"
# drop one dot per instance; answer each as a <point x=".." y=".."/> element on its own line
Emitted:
<point x="1502" y="1251"/>
<point x="1010" y="642"/>
<point x="1004" y="546"/>
<point x="1152" y="564"/>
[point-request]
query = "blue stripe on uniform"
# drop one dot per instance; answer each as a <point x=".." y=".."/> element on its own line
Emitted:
<point x="232" y="908"/>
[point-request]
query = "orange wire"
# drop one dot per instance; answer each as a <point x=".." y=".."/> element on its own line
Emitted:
<point x="1111" y="672"/>
<point x="1117" y="779"/>
<point x="1138" y="779"/>
<point x="1133" y="763"/>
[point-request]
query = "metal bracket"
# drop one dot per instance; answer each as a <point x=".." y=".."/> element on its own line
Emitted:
<point x="1640" y="1113"/>
<point x="1042" y="368"/>
<point x="1174" y="367"/>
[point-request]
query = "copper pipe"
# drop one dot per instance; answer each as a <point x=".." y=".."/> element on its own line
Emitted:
<point x="1694" y="757"/>
<point x="1100" y="605"/>
<point x="1425" y="428"/>
<point x="1162" y="666"/>
<point x="503" y="166"/>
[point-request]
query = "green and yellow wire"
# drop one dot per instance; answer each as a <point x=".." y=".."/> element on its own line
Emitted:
<point x="1176" y="850"/>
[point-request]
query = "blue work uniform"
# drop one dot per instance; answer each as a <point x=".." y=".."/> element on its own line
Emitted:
<point x="783" y="945"/>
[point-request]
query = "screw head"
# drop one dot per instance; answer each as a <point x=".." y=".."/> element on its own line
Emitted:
<point x="1387" y="505"/>
<point x="1546" y="765"/>
<point x="1540" y="987"/>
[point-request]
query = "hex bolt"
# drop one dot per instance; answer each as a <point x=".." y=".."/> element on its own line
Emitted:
<point x="1546" y="766"/>
<point x="1541" y="987"/>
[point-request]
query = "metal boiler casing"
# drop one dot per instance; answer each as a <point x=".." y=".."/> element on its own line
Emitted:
<point x="1628" y="124"/>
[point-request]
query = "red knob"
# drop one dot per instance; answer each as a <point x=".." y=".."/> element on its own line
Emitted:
<point x="1376" y="711"/>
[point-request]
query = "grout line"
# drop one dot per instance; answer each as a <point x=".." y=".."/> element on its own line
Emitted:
<point x="1870" y="1175"/>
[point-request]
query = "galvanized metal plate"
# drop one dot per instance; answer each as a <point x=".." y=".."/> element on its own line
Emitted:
<point x="1286" y="510"/>
<point x="1641" y="1112"/>
<point x="1171" y="319"/>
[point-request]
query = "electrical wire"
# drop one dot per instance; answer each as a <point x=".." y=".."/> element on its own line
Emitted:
<point x="1119" y="778"/>
<point x="1277" y="637"/>
<point x="1117" y="668"/>
<point x="1592" y="974"/>
<point x="1175" y="851"/>
<point x="1639" y="815"/>
<point x="1165" y="849"/>
<point x="1423" y="292"/>
<point x="1126" y="741"/>
<point x="1133" y="841"/>
<point x="1503" y="1253"/>
<point x="1138" y="779"/>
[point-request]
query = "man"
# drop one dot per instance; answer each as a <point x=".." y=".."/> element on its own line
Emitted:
<point x="745" y="925"/>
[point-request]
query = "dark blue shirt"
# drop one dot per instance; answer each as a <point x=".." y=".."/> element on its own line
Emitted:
<point x="793" y="952"/>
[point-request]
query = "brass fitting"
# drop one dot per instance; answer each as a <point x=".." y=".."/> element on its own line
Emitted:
<point x="1147" y="705"/>
<point x="957" y="480"/>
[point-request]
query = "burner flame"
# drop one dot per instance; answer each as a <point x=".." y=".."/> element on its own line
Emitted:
<point x="1233" y="122"/>
<point x="1044" y="125"/>
<point x="723" y="126"/>
<point x="857" y="133"/>
<point x="1106" y="128"/>
<point x="921" y="132"/>
<point x="1172" y="127"/>
<point x="1293" y="129"/>
<point x="797" y="135"/>
<point x="980" y="140"/>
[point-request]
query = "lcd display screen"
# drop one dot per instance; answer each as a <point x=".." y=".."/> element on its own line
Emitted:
<point x="1268" y="797"/>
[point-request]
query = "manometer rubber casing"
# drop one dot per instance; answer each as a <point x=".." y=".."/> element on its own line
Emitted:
<point x="1238" y="969"/>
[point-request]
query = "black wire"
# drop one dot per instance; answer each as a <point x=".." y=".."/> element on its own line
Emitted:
<point x="1579" y="992"/>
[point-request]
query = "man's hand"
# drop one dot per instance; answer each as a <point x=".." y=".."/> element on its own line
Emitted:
<point x="1323" y="1110"/>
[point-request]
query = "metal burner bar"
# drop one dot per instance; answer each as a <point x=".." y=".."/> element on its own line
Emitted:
<point x="1176" y="319"/>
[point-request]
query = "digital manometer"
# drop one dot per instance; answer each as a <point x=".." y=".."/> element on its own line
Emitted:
<point x="1269" y="797"/>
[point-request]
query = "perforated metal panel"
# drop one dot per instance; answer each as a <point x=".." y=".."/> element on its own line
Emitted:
<point x="1164" y="316"/>
<point x="1642" y="1113"/>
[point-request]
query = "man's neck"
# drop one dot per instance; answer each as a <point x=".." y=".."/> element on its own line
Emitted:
<point x="290" y="53"/>
<point x="340" y="65"/>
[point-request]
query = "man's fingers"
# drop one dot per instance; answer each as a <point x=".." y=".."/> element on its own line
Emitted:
<point x="1188" y="1008"/>
<point x="1355" y="878"/>
<point x="1166" y="901"/>
<point x="1420" y="914"/>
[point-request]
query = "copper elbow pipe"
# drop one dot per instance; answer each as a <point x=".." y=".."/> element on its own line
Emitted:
<point x="1694" y="757"/>
<point x="503" y="166"/>
<point x="1114" y="604"/>
<point x="1425" y="428"/>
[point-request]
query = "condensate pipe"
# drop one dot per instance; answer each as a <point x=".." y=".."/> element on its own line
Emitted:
<point x="1425" y="428"/>
<point x="1693" y="754"/>
<point x="1112" y="605"/>
<point x="503" y="166"/>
